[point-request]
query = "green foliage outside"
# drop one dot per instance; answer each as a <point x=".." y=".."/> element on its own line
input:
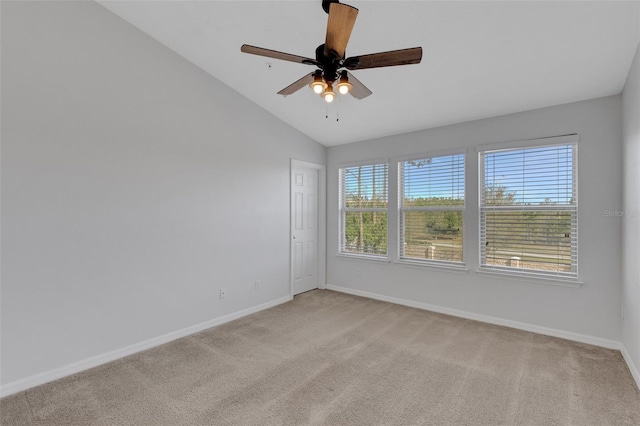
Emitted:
<point x="440" y="230"/>
<point x="446" y="224"/>
<point x="541" y="239"/>
<point x="366" y="232"/>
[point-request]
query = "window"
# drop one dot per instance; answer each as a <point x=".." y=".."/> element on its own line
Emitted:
<point x="432" y="208"/>
<point x="363" y="209"/>
<point x="529" y="210"/>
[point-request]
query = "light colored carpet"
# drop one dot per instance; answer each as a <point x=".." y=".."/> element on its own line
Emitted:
<point x="328" y="358"/>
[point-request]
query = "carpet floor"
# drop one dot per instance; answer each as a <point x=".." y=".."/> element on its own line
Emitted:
<point x="328" y="358"/>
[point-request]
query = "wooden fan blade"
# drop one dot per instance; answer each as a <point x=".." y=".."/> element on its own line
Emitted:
<point x="342" y="17"/>
<point x="358" y="90"/>
<point x="297" y="85"/>
<point x="386" y="59"/>
<point x="277" y="55"/>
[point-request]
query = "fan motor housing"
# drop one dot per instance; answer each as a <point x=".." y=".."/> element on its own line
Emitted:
<point x="327" y="3"/>
<point x="329" y="66"/>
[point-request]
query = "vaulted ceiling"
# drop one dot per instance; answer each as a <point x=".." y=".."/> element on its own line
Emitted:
<point x="480" y="59"/>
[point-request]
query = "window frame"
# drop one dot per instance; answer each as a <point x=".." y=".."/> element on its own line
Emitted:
<point x="343" y="210"/>
<point x="556" y="277"/>
<point x="401" y="209"/>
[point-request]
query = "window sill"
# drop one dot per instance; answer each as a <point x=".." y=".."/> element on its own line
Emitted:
<point x="461" y="267"/>
<point x="366" y="258"/>
<point x="532" y="278"/>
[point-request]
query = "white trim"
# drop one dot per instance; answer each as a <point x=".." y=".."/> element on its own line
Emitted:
<point x="431" y="264"/>
<point x="402" y="210"/>
<point x="632" y="367"/>
<point x="358" y="163"/>
<point x="300" y="163"/>
<point x="42" y="378"/>
<point x="567" y="139"/>
<point x="322" y="221"/>
<point x="343" y="210"/>
<point x="568" y="280"/>
<point x="76" y="367"/>
<point x="433" y="154"/>
<point x="532" y="277"/>
<point x="582" y="338"/>
<point x="365" y="257"/>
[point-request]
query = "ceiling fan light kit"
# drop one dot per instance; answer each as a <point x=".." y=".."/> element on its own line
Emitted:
<point x="318" y="85"/>
<point x="330" y="58"/>
<point x="328" y="95"/>
<point x="344" y="86"/>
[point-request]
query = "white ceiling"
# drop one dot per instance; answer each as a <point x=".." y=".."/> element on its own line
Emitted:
<point x="480" y="59"/>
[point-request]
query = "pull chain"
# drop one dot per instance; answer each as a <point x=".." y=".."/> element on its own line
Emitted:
<point x="326" y="109"/>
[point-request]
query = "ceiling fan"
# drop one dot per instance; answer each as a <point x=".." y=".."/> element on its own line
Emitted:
<point x="330" y="58"/>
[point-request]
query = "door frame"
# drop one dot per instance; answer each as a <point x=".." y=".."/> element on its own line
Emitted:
<point x="322" y="222"/>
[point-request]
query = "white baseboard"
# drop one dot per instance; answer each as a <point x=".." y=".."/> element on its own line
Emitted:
<point x="42" y="378"/>
<point x="632" y="366"/>
<point x="582" y="338"/>
<point x="76" y="367"/>
<point x="596" y="341"/>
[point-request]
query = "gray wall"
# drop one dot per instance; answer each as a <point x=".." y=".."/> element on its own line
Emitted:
<point x="134" y="186"/>
<point x="631" y="219"/>
<point x="593" y="310"/>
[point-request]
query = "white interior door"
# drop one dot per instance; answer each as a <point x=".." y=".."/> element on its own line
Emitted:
<point x="304" y="228"/>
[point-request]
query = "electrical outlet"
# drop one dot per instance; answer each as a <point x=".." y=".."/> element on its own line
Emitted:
<point x="257" y="284"/>
<point x="223" y="293"/>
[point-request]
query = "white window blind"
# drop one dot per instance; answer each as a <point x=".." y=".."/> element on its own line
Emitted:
<point x="432" y="209"/>
<point x="529" y="210"/>
<point x="363" y="209"/>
